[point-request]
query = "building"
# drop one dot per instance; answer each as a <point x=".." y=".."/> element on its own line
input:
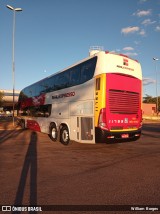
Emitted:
<point x="8" y="99"/>
<point x="149" y="109"/>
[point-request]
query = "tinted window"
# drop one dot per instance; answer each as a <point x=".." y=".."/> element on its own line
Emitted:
<point x="62" y="80"/>
<point x="87" y="69"/>
<point x="28" y="92"/>
<point x="39" y="88"/>
<point x="22" y="95"/>
<point x="98" y="83"/>
<point x="51" y="82"/>
<point x="71" y="77"/>
<point x="44" y="86"/>
<point x="75" y="75"/>
<point x="37" y="111"/>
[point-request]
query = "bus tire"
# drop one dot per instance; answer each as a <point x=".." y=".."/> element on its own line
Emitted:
<point x="64" y="135"/>
<point x="53" y="133"/>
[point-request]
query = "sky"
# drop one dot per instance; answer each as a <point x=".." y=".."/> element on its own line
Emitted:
<point x="51" y="35"/>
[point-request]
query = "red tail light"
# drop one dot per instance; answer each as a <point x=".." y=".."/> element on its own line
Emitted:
<point x="102" y="123"/>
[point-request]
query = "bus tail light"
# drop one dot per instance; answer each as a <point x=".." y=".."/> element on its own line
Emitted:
<point x="102" y="123"/>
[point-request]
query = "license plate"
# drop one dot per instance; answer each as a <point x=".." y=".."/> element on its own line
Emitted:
<point x="125" y="135"/>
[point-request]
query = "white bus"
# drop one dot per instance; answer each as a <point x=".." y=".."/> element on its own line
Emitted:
<point x="95" y="100"/>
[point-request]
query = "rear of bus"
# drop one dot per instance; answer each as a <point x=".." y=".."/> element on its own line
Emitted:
<point x="118" y="88"/>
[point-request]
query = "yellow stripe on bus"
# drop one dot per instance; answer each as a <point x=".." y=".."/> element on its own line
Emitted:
<point x="100" y="95"/>
<point x="123" y="130"/>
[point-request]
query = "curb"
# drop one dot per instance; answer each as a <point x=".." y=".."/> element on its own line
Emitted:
<point x="9" y="128"/>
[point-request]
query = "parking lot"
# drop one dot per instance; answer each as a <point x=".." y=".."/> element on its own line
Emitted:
<point x="36" y="171"/>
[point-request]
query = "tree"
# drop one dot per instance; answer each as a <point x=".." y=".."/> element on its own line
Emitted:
<point x="148" y="99"/>
<point x="1" y="98"/>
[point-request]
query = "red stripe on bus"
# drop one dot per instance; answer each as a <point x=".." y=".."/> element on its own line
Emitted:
<point x="32" y="124"/>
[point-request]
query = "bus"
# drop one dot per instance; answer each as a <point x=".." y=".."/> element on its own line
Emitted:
<point x="95" y="100"/>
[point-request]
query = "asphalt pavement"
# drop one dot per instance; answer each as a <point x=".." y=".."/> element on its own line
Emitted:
<point x="36" y="171"/>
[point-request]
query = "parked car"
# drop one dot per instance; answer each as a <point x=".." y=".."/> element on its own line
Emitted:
<point x="8" y="114"/>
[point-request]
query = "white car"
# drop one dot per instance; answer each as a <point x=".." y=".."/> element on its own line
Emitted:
<point x="8" y="114"/>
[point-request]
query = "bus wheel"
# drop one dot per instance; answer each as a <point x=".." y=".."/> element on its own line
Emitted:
<point x="64" y="137"/>
<point x="53" y="132"/>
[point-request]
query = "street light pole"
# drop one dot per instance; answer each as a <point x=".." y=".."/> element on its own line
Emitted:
<point x="156" y="59"/>
<point x="13" y="60"/>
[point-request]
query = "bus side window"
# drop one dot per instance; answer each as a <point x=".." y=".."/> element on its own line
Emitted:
<point x="88" y="69"/>
<point x="50" y="84"/>
<point x="44" y="87"/>
<point x="85" y="73"/>
<point x="98" y="83"/>
<point x="75" y="76"/>
<point x="61" y="80"/>
<point x="28" y="92"/>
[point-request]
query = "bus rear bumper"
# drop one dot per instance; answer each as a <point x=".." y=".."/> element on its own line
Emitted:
<point x="104" y="136"/>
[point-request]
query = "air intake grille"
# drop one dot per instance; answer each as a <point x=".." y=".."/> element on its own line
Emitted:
<point x="123" y="102"/>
